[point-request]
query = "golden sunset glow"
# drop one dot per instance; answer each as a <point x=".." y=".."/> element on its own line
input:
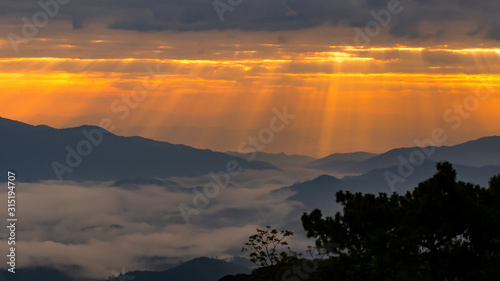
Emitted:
<point x="153" y="138"/>
<point x="364" y="94"/>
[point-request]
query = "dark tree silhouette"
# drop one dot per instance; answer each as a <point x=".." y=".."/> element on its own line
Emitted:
<point x="269" y="249"/>
<point x="443" y="229"/>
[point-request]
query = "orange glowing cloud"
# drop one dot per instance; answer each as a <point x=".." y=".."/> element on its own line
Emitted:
<point x="366" y="95"/>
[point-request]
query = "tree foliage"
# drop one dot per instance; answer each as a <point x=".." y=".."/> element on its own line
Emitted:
<point x="443" y="229"/>
<point x="268" y="248"/>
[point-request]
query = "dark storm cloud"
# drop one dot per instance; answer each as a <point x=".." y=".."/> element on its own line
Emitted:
<point x="270" y="15"/>
<point x="76" y="22"/>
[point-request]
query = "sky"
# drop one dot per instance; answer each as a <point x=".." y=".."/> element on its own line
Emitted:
<point x="358" y="75"/>
<point x="351" y="75"/>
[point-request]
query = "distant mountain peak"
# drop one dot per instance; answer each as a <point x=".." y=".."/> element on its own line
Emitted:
<point x="92" y="153"/>
<point x="5" y="121"/>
